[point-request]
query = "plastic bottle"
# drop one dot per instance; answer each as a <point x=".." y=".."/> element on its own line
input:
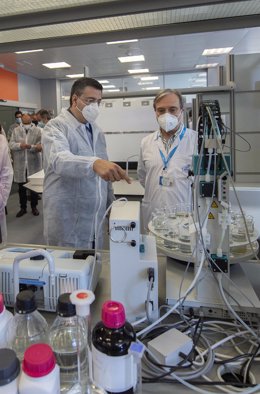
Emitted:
<point x="114" y="368"/>
<point x="5" y="316"/>
<point x="9" y="372"/>
<point x="66" y="332"/>
<point x="82" y="299"/>
<point x="40" y="373"/>
<point x="27" y="326"/>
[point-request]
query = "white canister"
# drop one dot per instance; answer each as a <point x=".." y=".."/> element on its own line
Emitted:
<point x="5" y="316"/>
<point x="40" y="373"/>
<point x="9" y="372"/>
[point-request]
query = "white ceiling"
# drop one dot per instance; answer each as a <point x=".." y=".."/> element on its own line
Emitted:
<point x="171" y="38"/>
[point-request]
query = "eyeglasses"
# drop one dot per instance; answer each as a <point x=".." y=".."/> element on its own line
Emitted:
<point x="90" y="100"/>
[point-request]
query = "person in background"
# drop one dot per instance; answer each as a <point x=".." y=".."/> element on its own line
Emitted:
<point x="18" y="121"/>
<point x="190" y="118"/>
<point x="26" y="148"/>
<point x="34" y="119"/>
<point x="44" y="116"/>
<point x="166" y="157"/>
<point x="77" y="185"/>
<point x="2" y="131"/>
<point x="6" y="179"/>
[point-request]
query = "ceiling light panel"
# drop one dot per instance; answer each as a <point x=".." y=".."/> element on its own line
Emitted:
<point x="129" y="59"/>
<point x="57" y="65"/>
<point x="216" y="51"/>
<point x="30" y="51"/>
<point x="139" y="71"/>
<point x="75" y="75"/>
<point x="206" y="65"/>
<point x="149" y="78"/>
<point x="121" y="42"/>
<point x="29" y="6"/>
<point x="133" y="21"/>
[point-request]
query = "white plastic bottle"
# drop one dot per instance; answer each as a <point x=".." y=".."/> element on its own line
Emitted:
<point x="40" y="373"/>
<point x="5" y="316"/>
<point x="9" y="372"/>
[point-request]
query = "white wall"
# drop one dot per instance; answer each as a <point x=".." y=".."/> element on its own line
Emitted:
<point x="125" y="122"/>
<point x="50" y="95"/>
<point x="29" y="92"/>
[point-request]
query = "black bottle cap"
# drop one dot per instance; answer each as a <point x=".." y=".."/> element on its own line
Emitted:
<point x="25" y="302"/>
<point x="9" y="366"/>
<point x="64" y="307"/>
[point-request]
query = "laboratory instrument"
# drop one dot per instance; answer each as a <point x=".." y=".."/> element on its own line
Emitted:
<point x="72" y="270"/>
<point x="208" y="244"/>
<point x="133" y="263"/>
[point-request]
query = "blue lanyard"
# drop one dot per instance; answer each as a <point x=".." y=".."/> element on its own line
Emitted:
<point x="166" y="160"/>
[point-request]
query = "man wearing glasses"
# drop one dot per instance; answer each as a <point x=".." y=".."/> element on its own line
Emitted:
<point x="77" y="184"/>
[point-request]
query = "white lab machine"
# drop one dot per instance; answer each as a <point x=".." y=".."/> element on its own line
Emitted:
<point x="70" y="273"/>
<point x="133" y="262"/>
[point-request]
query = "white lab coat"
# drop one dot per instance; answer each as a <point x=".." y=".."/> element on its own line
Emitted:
<point x="6" y="179"/>
<point x="29" y="160"/>
<point x="73" y="194"/>
<point x="150" y="168"/>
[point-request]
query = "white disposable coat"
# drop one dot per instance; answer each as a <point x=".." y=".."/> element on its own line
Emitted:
<point x="150" y="167"/>
<point x="6" y="178"/>
<point x="73" y="195"/>
<point x="25" y="159"/>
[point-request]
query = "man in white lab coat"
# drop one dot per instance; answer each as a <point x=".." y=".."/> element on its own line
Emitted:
<point x="25" y="144"/>
<point x="166" y="157"/>
<point x="6" y="179"/>
<point x="77" y="184"/>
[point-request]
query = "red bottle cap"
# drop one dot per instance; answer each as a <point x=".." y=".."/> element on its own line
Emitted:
<point x="113" y="314"/>
<point x="39" y="360"/>
<point x="2" y="304"/>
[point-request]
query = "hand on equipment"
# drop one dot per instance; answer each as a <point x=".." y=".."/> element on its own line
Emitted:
<point x="110" y="171"/>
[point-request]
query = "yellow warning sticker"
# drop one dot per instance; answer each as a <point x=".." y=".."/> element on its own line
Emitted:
<point x="211" y="216"/>
<point x="214" y="205"/>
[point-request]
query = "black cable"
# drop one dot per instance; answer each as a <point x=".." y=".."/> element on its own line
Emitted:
<point x="248" y="364"/>
<point x="240" y="136"/>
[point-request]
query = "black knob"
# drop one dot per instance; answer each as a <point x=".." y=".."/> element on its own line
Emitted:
<point x="133" y="242"/>
<point x="132" y="224"/>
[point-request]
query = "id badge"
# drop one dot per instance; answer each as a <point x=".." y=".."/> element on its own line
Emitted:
<point x="164" y="180"/>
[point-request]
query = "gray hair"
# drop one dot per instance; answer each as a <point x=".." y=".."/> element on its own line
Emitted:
<point x="166" y="92"/>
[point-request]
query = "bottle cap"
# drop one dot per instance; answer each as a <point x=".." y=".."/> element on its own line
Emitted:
<point x="82" y="299"/>
<point x="39" y="360"/>
<point x="25" y="302"/>
<point x="65" y="308"/>
<point x="113" y="314"/>
<point x="2" y="304"/>
<point x="9" y="366"/>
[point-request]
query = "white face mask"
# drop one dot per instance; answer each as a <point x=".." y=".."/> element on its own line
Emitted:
<point x="168" y="122"/>
<point x="18" y="120"/>
<point x="90" y="112"/>
<point x="27" y="126"/>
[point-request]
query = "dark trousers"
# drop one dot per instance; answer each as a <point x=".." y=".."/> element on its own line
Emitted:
<point x="23" y="197"/>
